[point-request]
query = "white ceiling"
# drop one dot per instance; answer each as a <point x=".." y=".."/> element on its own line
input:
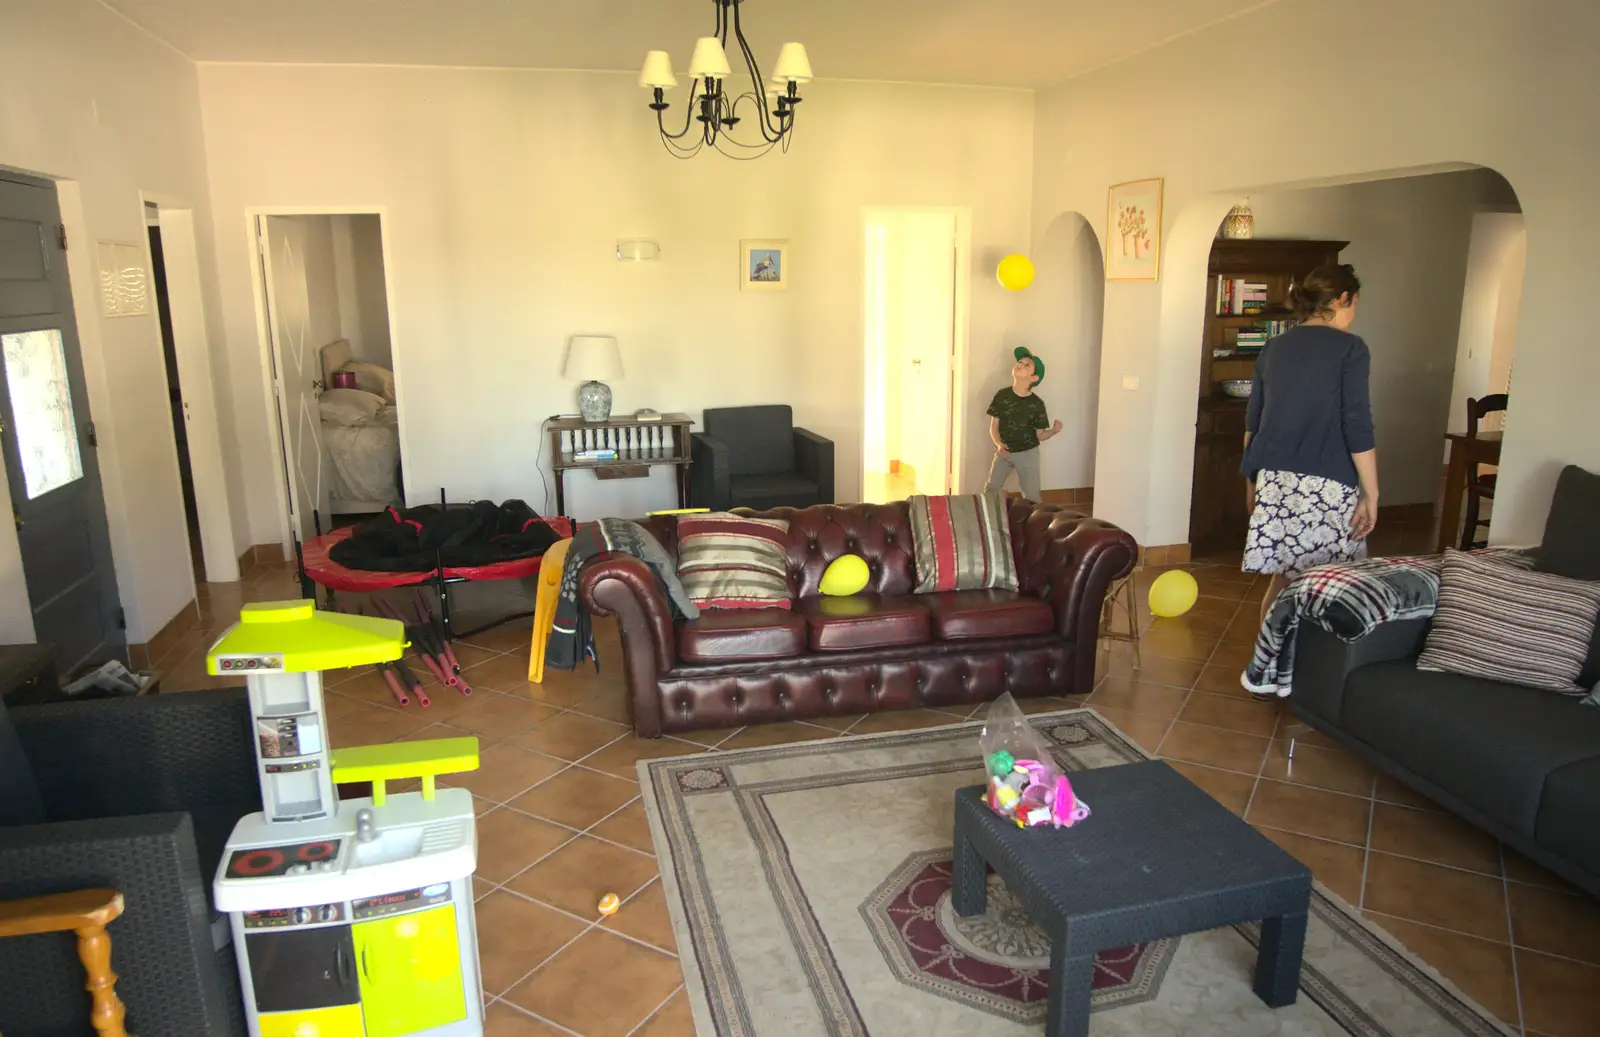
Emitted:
<point x="1016" y="43"/>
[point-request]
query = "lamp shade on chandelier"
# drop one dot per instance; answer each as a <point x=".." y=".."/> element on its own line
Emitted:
<point x="740" y="123"/>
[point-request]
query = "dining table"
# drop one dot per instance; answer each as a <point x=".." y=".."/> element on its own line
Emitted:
<point x="1467" y="452"/>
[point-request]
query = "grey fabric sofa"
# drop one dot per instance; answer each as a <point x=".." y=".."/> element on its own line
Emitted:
<point x="1520" y="763"/>
<point x="137" y="795"/>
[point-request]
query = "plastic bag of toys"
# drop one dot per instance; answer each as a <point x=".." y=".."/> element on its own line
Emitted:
<point x="1024" y="783"/>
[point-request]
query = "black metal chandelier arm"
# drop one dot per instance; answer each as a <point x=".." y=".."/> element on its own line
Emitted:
<point x="688" y="120"/>
<point x="769" y="132"/>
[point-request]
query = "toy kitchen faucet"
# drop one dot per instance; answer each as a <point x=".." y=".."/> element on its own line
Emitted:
<point x="354" y="918"/>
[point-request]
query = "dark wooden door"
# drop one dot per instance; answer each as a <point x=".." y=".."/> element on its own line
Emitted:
<point x="48" y="439"/>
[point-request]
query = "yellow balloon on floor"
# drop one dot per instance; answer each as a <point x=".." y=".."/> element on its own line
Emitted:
<point x="845" y="575"/>
<point x="1173" y="594"/>
<point x="1015" y="273"/>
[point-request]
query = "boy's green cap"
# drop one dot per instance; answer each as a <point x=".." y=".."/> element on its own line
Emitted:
<point x="1038" y="365"/>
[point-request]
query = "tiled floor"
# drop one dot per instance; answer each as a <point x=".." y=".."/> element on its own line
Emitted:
<point x="561" y="821"/>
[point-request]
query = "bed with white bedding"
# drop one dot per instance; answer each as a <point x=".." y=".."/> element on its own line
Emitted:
<point x="360" y="434"/>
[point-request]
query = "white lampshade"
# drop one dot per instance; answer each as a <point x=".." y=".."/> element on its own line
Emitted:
<point x="709" y="61"/>
<point x="657" y="71"/>
<point x="593" y="358"/>
<point x="793" y="65"/>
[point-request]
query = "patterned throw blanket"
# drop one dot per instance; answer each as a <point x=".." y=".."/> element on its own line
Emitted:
<point x="1349" y="600"/>
<point x="571" y="637"/>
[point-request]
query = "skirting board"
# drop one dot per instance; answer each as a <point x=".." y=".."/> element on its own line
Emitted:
<point x="144" y="655"/>
<point x="260" y="554"/>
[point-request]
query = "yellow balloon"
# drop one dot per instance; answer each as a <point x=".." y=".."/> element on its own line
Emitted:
<point x="1173" y="594"/>
<point x="845" y="575"/>
<point x="1015" y="273"/>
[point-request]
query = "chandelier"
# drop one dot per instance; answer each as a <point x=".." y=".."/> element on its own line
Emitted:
<point x="768" y="106"/>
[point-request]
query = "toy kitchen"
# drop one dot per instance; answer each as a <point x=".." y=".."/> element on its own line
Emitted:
<point x="352" y="918"/>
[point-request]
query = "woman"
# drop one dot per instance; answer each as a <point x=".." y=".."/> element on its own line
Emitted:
<point x="1310" y="461"/>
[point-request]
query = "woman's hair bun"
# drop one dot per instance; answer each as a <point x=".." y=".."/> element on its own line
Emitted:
<point x="1323" y="287"/>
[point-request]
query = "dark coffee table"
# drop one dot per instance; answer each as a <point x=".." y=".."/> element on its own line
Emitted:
<point x="1158" y="858"/>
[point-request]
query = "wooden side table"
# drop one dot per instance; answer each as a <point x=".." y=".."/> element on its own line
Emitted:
<point x="640" y="446"/>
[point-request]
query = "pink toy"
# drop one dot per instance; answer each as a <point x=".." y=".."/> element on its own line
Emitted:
<point x="1025" y="784"/>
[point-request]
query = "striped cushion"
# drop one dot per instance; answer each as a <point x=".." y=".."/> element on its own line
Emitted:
<point x="1507" y="623"/>
<point x="963" y="543"/>
<point x="730" y="561"/>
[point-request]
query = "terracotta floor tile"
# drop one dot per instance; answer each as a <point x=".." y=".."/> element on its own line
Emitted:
<point x="569" y="736"/>
<point x="1229" y="750"/>
<point x="1320" y="768"/>
<point x="1436" y="837"/>
<point x="497" y="672"/>
<point x="1226" y="590"/>
<point x="1222" y="680"/>
<point x="1555" y="923"/>
<point x="496" y="717"/>
<point x="896" y="720"/>
<point x="1309" y="811"/>
<point x="1198" y="624"/>
<point x="583" y="988"/>
<point x="577" y="797"/>
<point x="1521" y="869"/>
<point x="1229" y="788"/>
<point x="1335" y="865"/>
<point x="1438" y="896"/>
<point x="713" y="736"/>
<point x="337" y="705"/>
<point x="784" y="733"/>
<point x="1231" y="654"/>
<point x="1220" y="608"/>
<point x="644" y="917"/>
<point x="628" y="826"/>
<point x="1234" y="714"/>
<point x="481" y="887"/>
<point x="1245" y="627"/>
<point x="1155" y="669"/>
<point x="621" y="758"/>
<point x="1142" y="729"/>
<point x="674" y="1020"/>
<point x="1177" y="643"/>
<point x="503" y="1020"/>
<point x="515" y="936"/>
<point x="840" y="724"/>
<point x="1560" y="998"/>
<point x="504" y="638"/>
<point x="509" y="841"/>
<point x="1135" y="696"/>
<point x="612" y="704"/>
<point x="1389" y="790"/>
<point x="504" y="772"/>
<point x="1031" y="705"/>
<point x="371" y="725"/>
<point x="1481" y="968"/>
<point x="575" y="877"/>
<point x="470" y="655"/>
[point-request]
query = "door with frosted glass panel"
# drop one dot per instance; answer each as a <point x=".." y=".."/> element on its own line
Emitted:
<point x="56" y="500"/>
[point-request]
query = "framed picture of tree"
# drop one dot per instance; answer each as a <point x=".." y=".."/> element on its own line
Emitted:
<point x="1133" y="231"/>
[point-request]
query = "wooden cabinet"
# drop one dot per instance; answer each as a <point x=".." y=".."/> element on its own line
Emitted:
<point x="1217" y="515"/>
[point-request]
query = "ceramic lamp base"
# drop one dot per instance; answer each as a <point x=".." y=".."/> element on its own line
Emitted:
<point x="594" y="401"/>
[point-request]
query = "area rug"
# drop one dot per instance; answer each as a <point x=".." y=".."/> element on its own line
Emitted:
<point x="809" y="888"/>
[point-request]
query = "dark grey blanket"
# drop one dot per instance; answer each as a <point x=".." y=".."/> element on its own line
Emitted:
<point x="571" y="637"/>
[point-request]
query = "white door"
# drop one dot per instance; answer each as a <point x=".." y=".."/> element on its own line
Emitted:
<point x="298" y="334"/>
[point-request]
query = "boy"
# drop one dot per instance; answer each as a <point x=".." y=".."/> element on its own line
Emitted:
<point x="1018" y="424"/>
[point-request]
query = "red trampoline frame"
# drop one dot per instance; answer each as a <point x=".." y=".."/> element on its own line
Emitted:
<point x="328" y="573"/>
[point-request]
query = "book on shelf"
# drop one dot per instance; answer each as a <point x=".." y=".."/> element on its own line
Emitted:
<point x="595" y="455"/>
<point x="1237" y="297"/>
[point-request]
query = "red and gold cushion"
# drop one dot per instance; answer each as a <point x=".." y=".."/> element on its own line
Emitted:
<point x="962" y="543"/>
<point x="728" y="561"/>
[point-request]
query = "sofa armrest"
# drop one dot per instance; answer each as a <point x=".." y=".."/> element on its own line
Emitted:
<point x="813" y="456"/>
<point x="615" y="584"/>
<point x="1323" y="662"/>
<point x="1070" y="560"/>
<point x="709" y="485"/>
<point x="161" y="947"/>
<point x="143" y="755"/>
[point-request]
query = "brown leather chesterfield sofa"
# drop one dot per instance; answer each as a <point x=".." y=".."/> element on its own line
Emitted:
<point x="886" y="648"/>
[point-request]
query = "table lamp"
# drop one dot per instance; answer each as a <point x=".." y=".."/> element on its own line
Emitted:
<point x="593" y="360"/>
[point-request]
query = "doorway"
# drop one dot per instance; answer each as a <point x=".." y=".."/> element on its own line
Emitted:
<point x="48" y="438"/>
<point x="915" y="296"/>
<point x="326" y="315"/>
<point x="169" y="355"/>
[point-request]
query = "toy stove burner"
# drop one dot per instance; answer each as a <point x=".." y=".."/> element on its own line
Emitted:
<point x="316" y="851"/>
<point x="250" y="864"/>
<point x="268" y="862"/>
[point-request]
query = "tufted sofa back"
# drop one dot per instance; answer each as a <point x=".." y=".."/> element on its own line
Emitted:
<point x="881" y="534"/>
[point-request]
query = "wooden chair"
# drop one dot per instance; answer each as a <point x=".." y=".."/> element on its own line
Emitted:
<point x="86" y="912"/>
<point x="1480" y="487"/>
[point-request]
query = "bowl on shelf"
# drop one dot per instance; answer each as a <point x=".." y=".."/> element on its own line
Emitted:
<point x="1238" y="388"/>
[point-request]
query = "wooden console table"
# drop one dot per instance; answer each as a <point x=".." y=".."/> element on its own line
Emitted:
<point x="640" y="446"/>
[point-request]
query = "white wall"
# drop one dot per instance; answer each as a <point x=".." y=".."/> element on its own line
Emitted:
<point x="1425" y="84"/>
<point x="1489" y="303"/>
<point x="95" y="101"/>
<point x="1409" y="243"/>
<point x="1060" y="321"/>
<point x="504" y="194"/>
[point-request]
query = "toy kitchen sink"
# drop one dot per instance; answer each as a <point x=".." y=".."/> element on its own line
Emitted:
<point x="353" y="918"/>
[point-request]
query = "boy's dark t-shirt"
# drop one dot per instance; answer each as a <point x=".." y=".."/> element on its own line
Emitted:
<point x="1021" y="418"/>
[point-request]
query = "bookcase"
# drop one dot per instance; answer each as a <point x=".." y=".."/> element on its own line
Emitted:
<point x="1254" y="275"/>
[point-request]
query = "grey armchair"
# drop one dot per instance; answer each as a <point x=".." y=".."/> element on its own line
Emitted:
<point x="137" y="795"/>
<point x="754" y="457"/>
